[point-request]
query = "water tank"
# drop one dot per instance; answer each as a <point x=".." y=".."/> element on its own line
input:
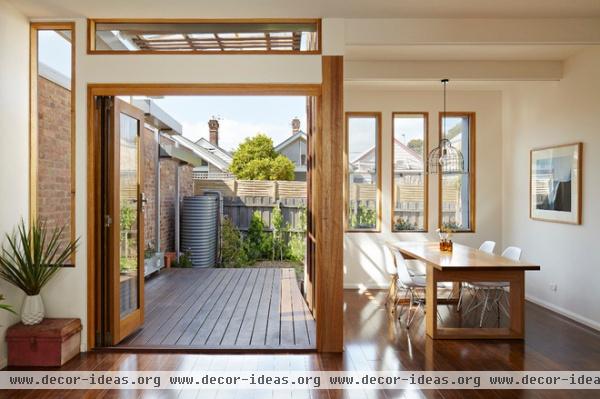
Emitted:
<point x="199" y="229"/>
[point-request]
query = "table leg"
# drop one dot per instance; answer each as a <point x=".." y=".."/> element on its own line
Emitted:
<point x="517" y="304"/>
<point x="431" y="302"/>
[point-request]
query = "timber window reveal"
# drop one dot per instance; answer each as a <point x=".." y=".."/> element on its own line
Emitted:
<point x="409" y="177"/>
<point x="363" y="171"/>
<point x="52" y="126"/>
<point x="457" y="190"/>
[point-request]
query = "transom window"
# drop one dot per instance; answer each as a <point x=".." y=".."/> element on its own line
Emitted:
<point x="267" y="36"/>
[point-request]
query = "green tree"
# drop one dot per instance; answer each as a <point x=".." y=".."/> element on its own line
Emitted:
<point x="256" y="159"/>
<point x="416" y="145"/>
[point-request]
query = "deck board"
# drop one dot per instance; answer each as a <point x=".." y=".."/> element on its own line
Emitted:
<point x="238" y="309"/>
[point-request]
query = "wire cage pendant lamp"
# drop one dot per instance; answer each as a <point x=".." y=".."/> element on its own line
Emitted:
<point x="445" y="158"/>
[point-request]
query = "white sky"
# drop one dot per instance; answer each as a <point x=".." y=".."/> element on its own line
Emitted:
<point x="54" y="51"/>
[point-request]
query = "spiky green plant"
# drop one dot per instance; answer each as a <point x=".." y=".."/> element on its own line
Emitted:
<point x="31" y="256"/>
<point x="5" y="306"/>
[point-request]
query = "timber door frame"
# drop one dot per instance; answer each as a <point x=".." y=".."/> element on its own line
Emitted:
<point x="328" y="288"/>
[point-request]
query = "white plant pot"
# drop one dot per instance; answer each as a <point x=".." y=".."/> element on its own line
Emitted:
<point x="32" y="311"/>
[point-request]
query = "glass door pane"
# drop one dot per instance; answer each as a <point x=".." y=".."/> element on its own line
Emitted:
<point x="128" y="214"/>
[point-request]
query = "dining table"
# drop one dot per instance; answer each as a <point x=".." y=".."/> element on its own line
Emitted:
<point x="466" y="264"/>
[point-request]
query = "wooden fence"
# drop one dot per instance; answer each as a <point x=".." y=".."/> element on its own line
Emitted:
<point x="241" y="198"/>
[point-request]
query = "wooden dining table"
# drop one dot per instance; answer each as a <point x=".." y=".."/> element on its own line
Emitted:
<point x="466" y="264"/>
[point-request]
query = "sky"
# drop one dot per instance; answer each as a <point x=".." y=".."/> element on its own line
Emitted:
<point x="239" y="116"/>
<point x="54" y="51"/>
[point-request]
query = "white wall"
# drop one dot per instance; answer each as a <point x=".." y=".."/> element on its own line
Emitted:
<point x="14" y="140"/>
<point x="363" y="258"/>
<point x="539" y="115"/>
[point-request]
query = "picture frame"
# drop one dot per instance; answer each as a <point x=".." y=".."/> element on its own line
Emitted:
<point x="555" y="184"/>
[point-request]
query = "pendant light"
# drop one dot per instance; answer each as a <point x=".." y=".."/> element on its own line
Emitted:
<point x="445" y="158"/>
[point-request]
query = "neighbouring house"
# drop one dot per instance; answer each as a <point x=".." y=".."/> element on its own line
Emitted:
<point x="295" y="149"/>
<point x="216" y="166"/>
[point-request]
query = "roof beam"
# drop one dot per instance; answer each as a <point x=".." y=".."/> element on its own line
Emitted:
<point x="472" y="31"/>
<point x="455" y="70"/>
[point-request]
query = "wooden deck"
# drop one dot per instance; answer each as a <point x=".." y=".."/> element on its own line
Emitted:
<point x="225" y="309"/>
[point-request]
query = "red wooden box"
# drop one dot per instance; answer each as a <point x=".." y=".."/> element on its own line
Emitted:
<point x="51" y="343"/>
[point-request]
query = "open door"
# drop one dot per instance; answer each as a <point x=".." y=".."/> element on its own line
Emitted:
<point x="311" y="176"/>
<point x="125" y="221"/>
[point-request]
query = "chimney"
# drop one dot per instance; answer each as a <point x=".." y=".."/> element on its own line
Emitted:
<point x="295" y="126"/>
<point x="213" y="128"/>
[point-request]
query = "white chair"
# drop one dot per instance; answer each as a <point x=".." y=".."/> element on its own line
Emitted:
<point x="486" y="246"/>
<point x="490" y="293"/>
<point x="411" y="284"/>
<point x="416" y="268"/>
<point x="389" y="266"/>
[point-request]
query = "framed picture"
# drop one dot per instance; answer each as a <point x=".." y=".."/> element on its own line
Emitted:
<point x="555" y="183"/>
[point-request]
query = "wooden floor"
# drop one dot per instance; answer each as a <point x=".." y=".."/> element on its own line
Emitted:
<point x="375" y="341"/>
<point x="225" y="309"/>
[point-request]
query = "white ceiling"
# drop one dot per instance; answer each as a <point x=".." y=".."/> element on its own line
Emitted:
<point x="495" y="52"/>
<point x="310" y="8"/>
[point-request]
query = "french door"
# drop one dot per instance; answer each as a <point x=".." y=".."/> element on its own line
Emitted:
<point x="123" y="234"/>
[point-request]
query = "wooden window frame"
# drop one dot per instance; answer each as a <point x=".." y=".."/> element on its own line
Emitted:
<point x="91" y="35"/>
<point x="425" y="229"/>
<point x="361" y="114"/>
<point x="34" y="28"/>
<point x="472" y="168"/>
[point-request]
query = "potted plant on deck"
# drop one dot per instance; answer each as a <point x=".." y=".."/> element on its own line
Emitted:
<point x="30" y="257"/>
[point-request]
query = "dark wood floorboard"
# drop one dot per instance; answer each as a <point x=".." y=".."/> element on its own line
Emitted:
<point x="374" y="341"/>
<point x="236" y="309"/>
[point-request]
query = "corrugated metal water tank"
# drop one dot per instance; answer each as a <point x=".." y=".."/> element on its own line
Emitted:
<point x="199" y="230"/>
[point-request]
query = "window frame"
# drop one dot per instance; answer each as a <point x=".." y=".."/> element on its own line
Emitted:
<point x="362" y="114"/>
<point x="91" y="35"/>
<point x="472" y="167"/>
<point x="425" y="229"/>
<point x="34" y="29"/>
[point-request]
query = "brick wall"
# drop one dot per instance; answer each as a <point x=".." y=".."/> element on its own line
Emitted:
<point x="167" y="197"/>
<point x="54" y="157"/>
<point x="150" y="149"/>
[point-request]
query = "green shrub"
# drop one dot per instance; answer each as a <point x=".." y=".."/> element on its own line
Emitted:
<point x="363" y="217"/>
<point x="254" y="242"/>
<point x="232" y="248"/>
<point x="184" y="261"/>
<point x="279" y="229"/>
<point x="401" y="224"/>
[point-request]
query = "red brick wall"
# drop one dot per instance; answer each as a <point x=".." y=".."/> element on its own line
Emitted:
<point x="54" y="156"/>
<point x="168" y="169"/>
<point x="150" y="164"/>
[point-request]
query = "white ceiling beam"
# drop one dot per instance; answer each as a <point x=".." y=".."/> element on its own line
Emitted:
<point x="455" y="70"/>
<point x="472" y="31"/>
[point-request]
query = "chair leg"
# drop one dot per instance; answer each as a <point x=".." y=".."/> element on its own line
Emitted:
<point x="485" y="307"/>
<point x="460" y="297"/>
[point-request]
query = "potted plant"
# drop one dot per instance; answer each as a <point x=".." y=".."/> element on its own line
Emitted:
<point x="31" y="258"/>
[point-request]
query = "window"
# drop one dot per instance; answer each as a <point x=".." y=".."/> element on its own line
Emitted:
<point x="52" y="134"/>
<point x="409" y="152"/>
<point x="457" y="191"/>
<point x="268" y="36"/>
<point x="363" y="176"/>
